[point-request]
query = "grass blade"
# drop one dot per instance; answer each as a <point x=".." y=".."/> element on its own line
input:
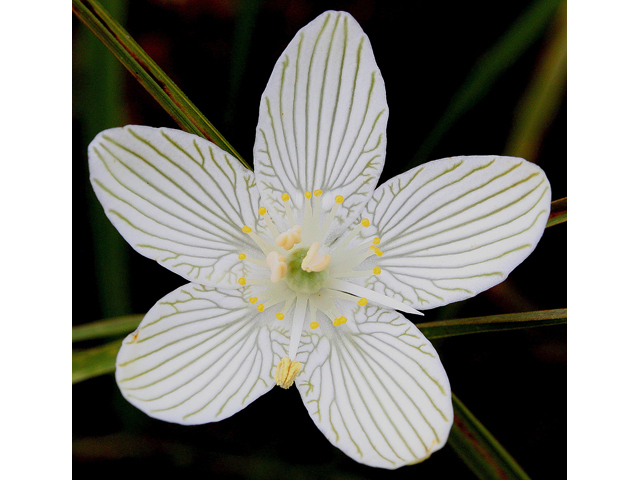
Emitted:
<point x="558" y="212"/>
<point x="110" y="327"/>
<point x="479" y="450"/>
<point x="524" y="31"/>
<point x="95" y="361"/>
<point x="147" y="72"/>
<point x="493" y="323"/>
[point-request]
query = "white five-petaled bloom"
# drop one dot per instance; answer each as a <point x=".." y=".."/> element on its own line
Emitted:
<point x="297" y="270"/>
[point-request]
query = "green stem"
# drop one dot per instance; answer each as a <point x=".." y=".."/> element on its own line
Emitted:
<point x="147" y="72"/>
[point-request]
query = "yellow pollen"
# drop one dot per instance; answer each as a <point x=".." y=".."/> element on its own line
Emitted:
<point x="280" y="316"/>
<point x="317" y="193"/>
<point x="377" y="250"/>
<point x="365" y="222"/>
<point x="339" y="199"/>
<point x="336" y="322"/>
<point x="362" y="302"/>
<point x="253" y="299"/>
<point x="376" y="241"/>
<point x="246" y="229"/>
<point x="307" y="194"/>
<point x="242" y="256"/>
<point x="377" y="270"/>
<point x="314" y="325"/>
<point x="260" y="307"/>
<point x="242" y="281"/>
<point x="285" y="197"/>
<point x="286" y="372"/>
<point x="343" y="320"/>
<point x="262" y="210"/>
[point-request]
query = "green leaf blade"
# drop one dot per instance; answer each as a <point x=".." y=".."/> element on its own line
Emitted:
<point x="479" y="450"/>
<point x="493" y="323"/>
<point x="110" y="327"/>
<point x="95" y="361"/>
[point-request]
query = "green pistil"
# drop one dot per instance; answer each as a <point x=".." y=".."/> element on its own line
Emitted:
<point x="299" y="280"/>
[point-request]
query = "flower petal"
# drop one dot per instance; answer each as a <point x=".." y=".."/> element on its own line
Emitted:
<point x="376" y="389"/>
<point x="452" y="228"/>
<point x="198" y="356"/>
<point x="323" y="118"/>
<point x="177" y="199"/>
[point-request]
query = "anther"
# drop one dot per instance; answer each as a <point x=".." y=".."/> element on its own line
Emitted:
<point x="317" y="193"/>
<point x="365" y="222"/>
<point x="242" y="256"/>
<point x="314" y="325"/>
<point x="262" y="210"/>
<point x="280" y="316"/>
<point x="289" y="238"/>
<point x="242" y="281"/>
<point x="377" y="270"/>
<point x="336" y="322"/>
<point x="246" y="229"/>
<point x="285" y="197"/>
<point x="253" y="299"/>
<point x="339" y="199"/>
<point x="307" y="194"/>
<point x="362" y="302"/>
<point x="278" y="265"/>
<point x="286" y="372"/>
<point x="313" y="262"/>
<point x="376" y="249"/>
<point x="376" y="241"/>
<point x="260" y="307"/>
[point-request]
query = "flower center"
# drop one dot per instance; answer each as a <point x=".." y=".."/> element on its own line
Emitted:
<point x="314" y="280"/>
<point x="301" y="279"/>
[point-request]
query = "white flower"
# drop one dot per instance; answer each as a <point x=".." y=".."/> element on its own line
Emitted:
<point x="297" y="270"/>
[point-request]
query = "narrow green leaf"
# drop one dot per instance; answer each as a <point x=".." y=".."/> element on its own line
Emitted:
<point x="147" y="72"/>
<point x="95" y="361"/>
<point x="524" y="31"/>
<point x="479" y="450"/>
<point x="493" y="323"/>
<point x="544" y="94"/>
<point x="558" y="212"/>
<point x="110" y="327"/>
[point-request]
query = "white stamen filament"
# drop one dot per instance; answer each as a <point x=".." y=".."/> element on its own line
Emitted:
<point x="299" y="315"/>
<point x="376" y="297"/>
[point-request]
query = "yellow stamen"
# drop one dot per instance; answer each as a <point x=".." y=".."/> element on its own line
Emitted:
<point x="376" y="241"/>
<point x="365" y="222"/>
<point x="343" y="320"/>
<point x="336" y="322"/>
<point x="317" y="193"/>
<point x="242" y="256"/>
<point x="253" y="299"/>
<point x="280" y="316"/>
<point x="285" y="197"/>
<point x="260" y="307"/>
<point x="307" y="194"/>
<point x="362" y="302"/>
<point x="246" y="229"/>
<point x="377" y="270"/>
<point x="262" y="210"/>
<point x="377" y="250"/>
<point x="286" y="372"/>
<point x="339" y="199"/>
<point x="242" y="281"/>
<point x="314" y="325"/>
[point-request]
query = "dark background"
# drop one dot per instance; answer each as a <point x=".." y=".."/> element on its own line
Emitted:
<point x="514" y="382"/>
